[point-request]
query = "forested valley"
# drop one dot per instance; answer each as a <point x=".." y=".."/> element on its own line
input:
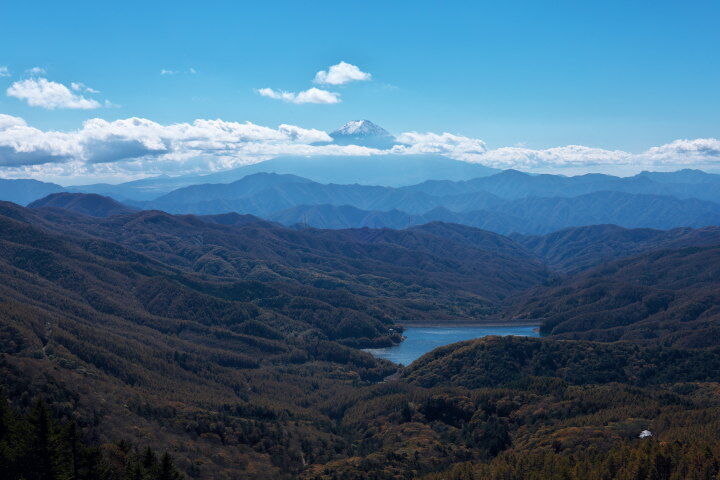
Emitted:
<point x="144" y="345"/>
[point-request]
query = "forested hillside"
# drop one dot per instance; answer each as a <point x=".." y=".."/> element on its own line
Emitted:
<point x="136" y="350"/>
<point x="670" y="297"/>
<point x="232" y="343"/>
<point x="410" y="269"/>
<point x="523" y="408"/>
<point x="575" y="249"/>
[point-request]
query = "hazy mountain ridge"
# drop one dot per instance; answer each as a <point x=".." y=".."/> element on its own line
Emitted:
<point x="527" y="216"/>
<point x="24" y="191"/>
<point x="297" y="201"/>
<point x="507" y="202"/>
<point x="513" y="184"/>
<point x="85" y="203"/>
<point x="492" y="203"/>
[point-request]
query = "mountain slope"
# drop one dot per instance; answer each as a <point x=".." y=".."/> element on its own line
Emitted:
<point x="383" y="169"/>
<point x="578" y="248"/>
<point x="137" y="350"/>
<point x="209" y="336"/>
<point x="671" y="297"/>
<point x="543" y="215"/>
<point x="503" y="361"/>
<point x="24" y="191"/>
<point x="514" y="408"/>
<point x="341" y="217"/>
<point x="83" y="203"/>
<point x="268" y="193"/>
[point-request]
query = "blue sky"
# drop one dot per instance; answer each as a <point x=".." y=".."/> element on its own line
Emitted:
<point x="613" y="75"/>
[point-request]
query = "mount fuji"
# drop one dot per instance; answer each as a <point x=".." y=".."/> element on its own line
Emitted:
<point x="392" y="170"/>
<point x="364" y="133"/>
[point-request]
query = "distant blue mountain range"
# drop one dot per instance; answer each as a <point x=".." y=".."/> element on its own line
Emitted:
<point x="508" y="202"/>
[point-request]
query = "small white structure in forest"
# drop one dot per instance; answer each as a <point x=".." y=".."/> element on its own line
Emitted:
<point x="645" y="434"/>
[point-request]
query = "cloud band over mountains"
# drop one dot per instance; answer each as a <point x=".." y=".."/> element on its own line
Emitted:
<point x="132" y="147"/>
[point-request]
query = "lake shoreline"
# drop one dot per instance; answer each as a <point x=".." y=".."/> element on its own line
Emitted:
<point x="423" y="338"/>
<point x="469" y="325"/>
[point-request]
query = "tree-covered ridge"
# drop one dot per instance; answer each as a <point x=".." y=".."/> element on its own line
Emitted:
<point x="404" y="272"/>
<point x="457" y="414"/>
<point x="508" y="361"/>
<point x="575" y="249"/>
<point x="670" y="297"/>
<point x="569" y="417"/>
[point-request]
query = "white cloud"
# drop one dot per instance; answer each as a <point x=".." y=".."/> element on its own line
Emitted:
<point x="340" y="74"/>
<point x="190" y="71"/>
<point x="141" y="146"/>
<point x="702" y="152"/>
<point x="81" y="87"/>
<point x="335" y="75"/>
<point x="40" y="92"/>
<point x="22" y="145"/>
<point x="7" y="121"/>
<point x="551" y="158"/>
<point x="455" y="146"/>
<point x="35" y="71"/>
<point x="475" y="150"/>
<point x="684" y="152"/>
<point x="4" y="71"/>
<point x="311" y="95"/>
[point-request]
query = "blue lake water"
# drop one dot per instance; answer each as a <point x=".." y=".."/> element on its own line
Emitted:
<point x="420" y="340"/>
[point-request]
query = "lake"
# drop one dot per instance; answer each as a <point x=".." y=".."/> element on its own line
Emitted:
<point x="420" y="340"/>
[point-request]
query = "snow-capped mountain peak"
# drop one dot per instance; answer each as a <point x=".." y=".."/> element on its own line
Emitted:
<point x="361" y="128"/>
